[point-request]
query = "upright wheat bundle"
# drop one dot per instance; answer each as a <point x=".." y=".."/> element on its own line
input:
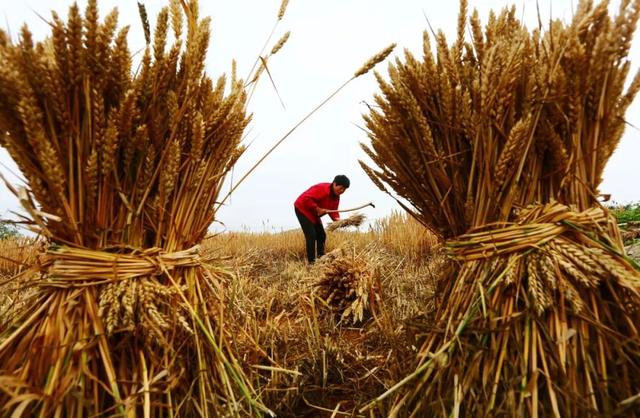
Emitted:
<point x="349" y="283"/>
<point x="125" y="168"/>
<point x="498" y="142"/>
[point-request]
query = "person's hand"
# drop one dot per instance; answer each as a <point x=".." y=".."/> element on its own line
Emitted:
<point x="322" y="211"/>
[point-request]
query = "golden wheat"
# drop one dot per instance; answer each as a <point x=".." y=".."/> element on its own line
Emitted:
<point x="125" y="169"/>
<point x="522" y="124"/>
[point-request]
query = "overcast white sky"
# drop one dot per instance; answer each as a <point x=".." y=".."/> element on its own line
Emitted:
<point x="329" y="40"/>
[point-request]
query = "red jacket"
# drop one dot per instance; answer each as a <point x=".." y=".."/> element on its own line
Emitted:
<point x="317" y="196"/>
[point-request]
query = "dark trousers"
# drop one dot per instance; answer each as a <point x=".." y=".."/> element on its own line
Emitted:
<point x="314" y="236"/>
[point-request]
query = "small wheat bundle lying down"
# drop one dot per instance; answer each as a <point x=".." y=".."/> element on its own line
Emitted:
<point x="499" y="142"/>
<point x="349" y="283"/>
<point x="125" y="170"/>
<point x="631" y="231"/>
<point x="354" y="220"/>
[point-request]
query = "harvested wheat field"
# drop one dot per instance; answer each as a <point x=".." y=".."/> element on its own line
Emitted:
<point x="499" y="286"/>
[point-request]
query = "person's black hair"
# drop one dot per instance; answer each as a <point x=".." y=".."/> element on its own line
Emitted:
<point x="342" y="180"/>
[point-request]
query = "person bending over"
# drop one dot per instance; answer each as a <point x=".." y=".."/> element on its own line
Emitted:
<point x="314" y="203"/>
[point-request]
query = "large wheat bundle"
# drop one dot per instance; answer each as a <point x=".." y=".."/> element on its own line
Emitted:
<point x="125" y="169"/>
<point x="499" y="144"/>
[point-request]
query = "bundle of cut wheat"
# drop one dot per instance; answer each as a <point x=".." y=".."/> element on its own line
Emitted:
<point x="630" y="231"/>
<point x="499" y="143"/>
<point x="353" y="220"/>
<point x="630" y="234"/>
<point x="125" y="170"/>
<point x="349" y="283"/>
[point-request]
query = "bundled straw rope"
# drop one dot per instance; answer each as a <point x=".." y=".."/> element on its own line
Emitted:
<point x="499" y="143"/>
<point x="126" y="303"/>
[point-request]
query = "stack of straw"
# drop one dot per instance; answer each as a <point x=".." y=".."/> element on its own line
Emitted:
<point x="499" y="143"/>
<point x="349" y="283"/>
<point x="125" y="170"/>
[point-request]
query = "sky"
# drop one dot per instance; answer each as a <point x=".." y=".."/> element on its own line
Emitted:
<point x="330" y="39"/>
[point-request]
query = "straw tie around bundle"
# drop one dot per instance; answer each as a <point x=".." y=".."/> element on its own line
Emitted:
<point x="130" y="295"/>
<point x="70" y="266"/>
<point x="532" y="228"/>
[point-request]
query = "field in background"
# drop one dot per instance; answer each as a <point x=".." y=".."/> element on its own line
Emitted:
<point x="629" y="212"/>
<point x="17" y="253"/>
<point x="398" y="233"/>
